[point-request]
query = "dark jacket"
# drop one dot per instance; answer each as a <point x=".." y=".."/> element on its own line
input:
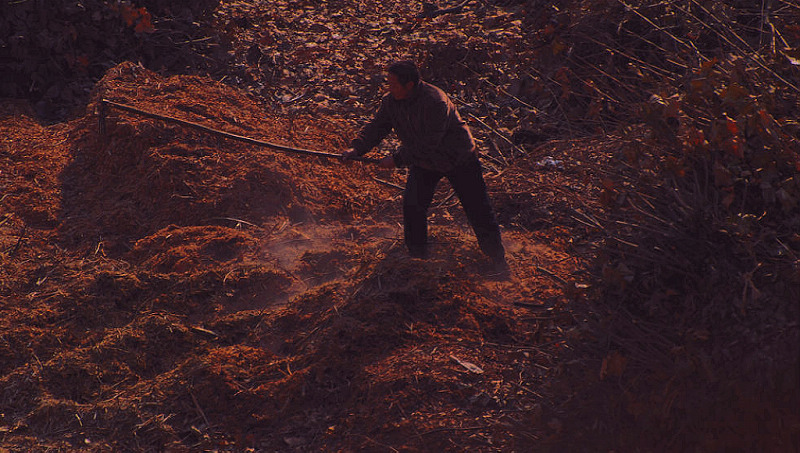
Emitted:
<point x="432" y="133"/>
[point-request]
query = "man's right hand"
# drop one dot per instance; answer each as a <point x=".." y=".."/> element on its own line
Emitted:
<point x="349" y="155"/>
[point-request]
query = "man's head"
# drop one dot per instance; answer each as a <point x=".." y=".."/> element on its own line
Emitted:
<point x="403" y="77"/>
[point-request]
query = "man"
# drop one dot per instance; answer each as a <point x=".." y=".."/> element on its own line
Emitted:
<point x="435" y="143"/>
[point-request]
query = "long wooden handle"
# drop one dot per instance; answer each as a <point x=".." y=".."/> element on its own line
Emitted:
<point x="241" y="138"/>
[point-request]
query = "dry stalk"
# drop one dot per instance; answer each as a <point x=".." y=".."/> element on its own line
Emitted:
<point x="753" y="53"/>
<point x="551" y="274"/>
<point x="661" y="29"/>
<point x="199" y="409"/>
<point x="502" y="90"/>
<point x="657" y="70"/>
<point x="387" y="183"/>
<point x="497" y="133"/>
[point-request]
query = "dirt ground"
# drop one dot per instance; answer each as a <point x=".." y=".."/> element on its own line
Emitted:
<point x="167" y="289"/>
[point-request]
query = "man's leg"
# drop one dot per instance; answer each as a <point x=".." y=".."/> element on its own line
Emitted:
<point x="468" y="183"/>
<point x="420" y="187"/>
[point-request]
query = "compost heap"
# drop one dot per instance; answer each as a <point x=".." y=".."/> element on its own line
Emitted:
<point x="166" y="288"/>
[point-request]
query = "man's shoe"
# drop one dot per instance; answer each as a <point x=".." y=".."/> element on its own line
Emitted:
<point x="500" y="267"/>
<point x="421" y="253"/>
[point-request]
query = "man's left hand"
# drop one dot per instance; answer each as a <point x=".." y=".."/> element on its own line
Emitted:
<point x="386" y="162"/>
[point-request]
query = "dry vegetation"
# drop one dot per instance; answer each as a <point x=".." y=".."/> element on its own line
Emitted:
<point x="164" y="289"/>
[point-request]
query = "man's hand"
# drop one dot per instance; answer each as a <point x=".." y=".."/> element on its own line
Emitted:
<point x="387" y="162"/>
<point x="348" y="155"/>
<point x="384" y="162"/>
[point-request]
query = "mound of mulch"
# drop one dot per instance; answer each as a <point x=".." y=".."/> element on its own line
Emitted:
<point x="165" y="289"/>
<point x="144" y="175"/>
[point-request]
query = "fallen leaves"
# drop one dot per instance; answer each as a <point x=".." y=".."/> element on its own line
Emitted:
<point x="58" y="51"/>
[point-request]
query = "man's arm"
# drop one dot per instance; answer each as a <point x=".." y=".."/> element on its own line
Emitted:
<point x="375" y="131"/>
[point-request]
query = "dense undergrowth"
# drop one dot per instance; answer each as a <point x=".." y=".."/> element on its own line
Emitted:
<point x="699" y="278"/>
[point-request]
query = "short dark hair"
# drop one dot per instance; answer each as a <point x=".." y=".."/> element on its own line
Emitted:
<point x="405" y="70"/>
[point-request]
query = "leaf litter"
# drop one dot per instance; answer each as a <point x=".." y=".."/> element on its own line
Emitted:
<point x="167" y="290"/>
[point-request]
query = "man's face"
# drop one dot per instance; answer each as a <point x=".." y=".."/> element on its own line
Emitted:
<point x="397" y="89"/>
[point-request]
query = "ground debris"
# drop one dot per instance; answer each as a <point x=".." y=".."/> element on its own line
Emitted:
<point x="175" y="290"/>
<point x="163" y="289"/>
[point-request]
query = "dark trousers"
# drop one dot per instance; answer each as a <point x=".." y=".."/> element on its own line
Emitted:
<point x="468" y="184"/>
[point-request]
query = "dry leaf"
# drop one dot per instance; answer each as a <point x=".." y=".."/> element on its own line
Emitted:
<point x="468" y="365"/>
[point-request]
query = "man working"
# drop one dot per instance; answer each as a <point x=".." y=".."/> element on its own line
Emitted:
<point x="435" y="143"/>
